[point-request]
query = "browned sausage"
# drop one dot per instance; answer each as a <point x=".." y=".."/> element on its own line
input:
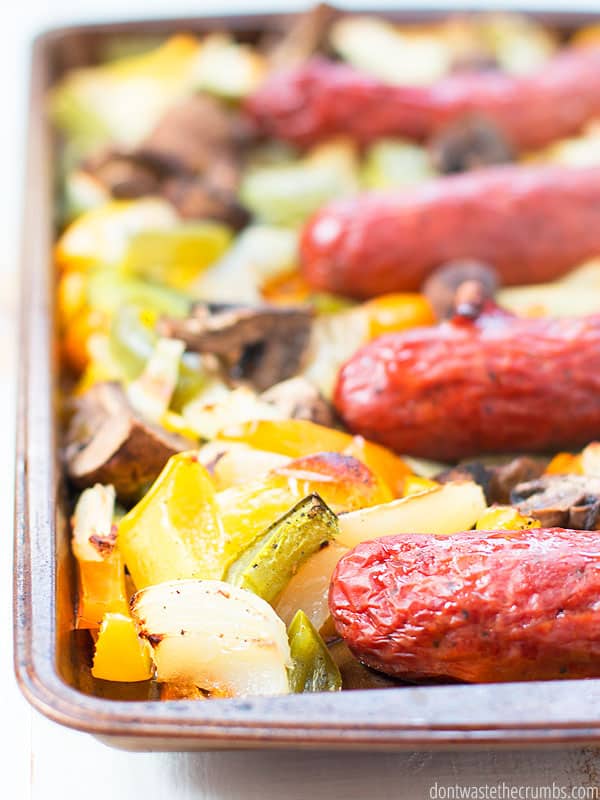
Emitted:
<point x="496" y="384"/>
<point x="321" y="99"/>
<point x="478" y="606"/>
<point x="531" y="223"/>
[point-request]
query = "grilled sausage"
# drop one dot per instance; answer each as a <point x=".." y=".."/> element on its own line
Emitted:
<point x="531" y="223"/>
<point x="321" y="99"/>
<point x="477" y="606"/>
<point x="494" y="384"/>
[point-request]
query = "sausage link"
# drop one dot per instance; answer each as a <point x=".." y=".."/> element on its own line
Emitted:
<point x="531" y="223"/>
<point x="496" y="384"/>
<point x="478" y="606"/>
<point x="321" y="99"/>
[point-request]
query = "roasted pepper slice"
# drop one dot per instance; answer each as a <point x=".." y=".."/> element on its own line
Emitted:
<point x="175" y="531"/>
<point x="505" y="518"/>
<point x="175" y="257"/>
<point x="341" y="481"/>
<point x="99" y="238"/>
<point x="313" y="669"/>
<point x="120" y="655"/>
<point x="266" y="566"/>
<point x="397" y="312"/>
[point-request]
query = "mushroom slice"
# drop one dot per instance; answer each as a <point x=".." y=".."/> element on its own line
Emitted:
<point x="224" y="640"/>
<point x="261" y="345"/>
<point x="471" y="143"/>
<point x="567" y="501"/>
<point x="108" y="442"/>
<point x="496" y="480"/>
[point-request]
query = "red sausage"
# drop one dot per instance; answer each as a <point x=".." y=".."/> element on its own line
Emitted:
<point x="321" y="99"/>
<point x="498" y="384"/>
<point x="531" y="223"/>
<point x="478" y="606"/>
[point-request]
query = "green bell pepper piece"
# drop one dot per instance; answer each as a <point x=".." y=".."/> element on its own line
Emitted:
<point x="270" y="561"/>
<point x="313" y="669"/>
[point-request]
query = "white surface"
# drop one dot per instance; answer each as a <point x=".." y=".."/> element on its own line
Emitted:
<point x="41" y="761"/>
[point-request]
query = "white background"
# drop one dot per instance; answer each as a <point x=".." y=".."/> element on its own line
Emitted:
<point x="42" y="761"/>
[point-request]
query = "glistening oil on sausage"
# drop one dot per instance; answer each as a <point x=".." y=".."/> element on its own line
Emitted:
<point x="479" y="606"/>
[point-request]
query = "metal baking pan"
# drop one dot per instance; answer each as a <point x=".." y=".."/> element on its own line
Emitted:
<point x="50" y="658"/>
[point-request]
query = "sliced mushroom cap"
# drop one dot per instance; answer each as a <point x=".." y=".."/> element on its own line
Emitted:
<point x="298" y="398"/>
<point x="108" y="443"/>
<point x="190" y="134"/>
<point x="206" y="197"/>
<point x="469" y="143"/>
<point x="496" y="480"/>
<point x="443" y="287"/>
<point x="124" y="175"/>
<point x="566" y="501"/>
<point x="192" y="158"/>
<point x="261" y="345"/>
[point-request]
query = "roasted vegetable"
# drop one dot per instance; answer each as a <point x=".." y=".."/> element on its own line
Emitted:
<point x="151" y="392"/>
<point x="447" y="509"/>
<point x="177" y="256"/>
<point x="396" y="163"/>
<point x="288" y="194"/>
<point x="119" y="654"/>
<point x="268" y="564"/>
<point x="308" y="589"/>
<point x="108" y="442"/>
<point x="341" y="481"/>
<point x="298" y="438"/>
<point x="226" y="68"/>
<point x="100" y="237"/>
<point x="506" y="518"/>
<point x="175" y="531"/>
<point x="99" y="562"/>
<point x="223" y="640"/>
<point x="259" y="255"/>
<point x="121" y="101"/>
<point x="313" y="669"/>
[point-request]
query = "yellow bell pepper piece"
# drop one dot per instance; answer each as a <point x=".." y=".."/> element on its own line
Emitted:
<point x="175" y="531"/>
<point x="176" y="257"/>
<point x="183" y="529"/>
<point x="297" y="438"/>
<point x="565" y="464"/>
<point x="71" y="295"/>
<point x="100" y="237"/>
<point x="505" y="518"/>
<point x="121" y="101"/>
<point x="397" y="312"/>
<point x="120" y="655"/>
